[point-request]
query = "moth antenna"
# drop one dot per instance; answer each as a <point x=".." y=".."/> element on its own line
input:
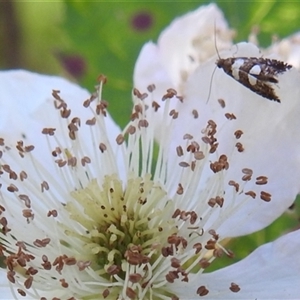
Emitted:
<point x="210" y="85"/>
<point x="215" y="40"/>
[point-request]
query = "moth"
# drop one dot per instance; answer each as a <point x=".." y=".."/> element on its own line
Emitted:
<point x="256" y="73"/>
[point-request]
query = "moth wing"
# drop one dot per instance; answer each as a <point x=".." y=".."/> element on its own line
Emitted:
<point x="259" y="86"/>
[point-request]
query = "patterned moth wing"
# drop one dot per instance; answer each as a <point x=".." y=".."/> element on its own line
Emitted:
<point x="257" y="74"/>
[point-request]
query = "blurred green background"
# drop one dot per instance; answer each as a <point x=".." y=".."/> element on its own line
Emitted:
<point x="80" y="40"/>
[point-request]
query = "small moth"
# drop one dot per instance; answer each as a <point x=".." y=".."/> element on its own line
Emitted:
<point x="257" y="74"/>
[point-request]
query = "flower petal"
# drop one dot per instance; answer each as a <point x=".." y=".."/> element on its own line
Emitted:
<point x="270" y="272"/>
<point x="27" y="107"/>
<point x="287" y="50"/>
<point x="270" y="140"/>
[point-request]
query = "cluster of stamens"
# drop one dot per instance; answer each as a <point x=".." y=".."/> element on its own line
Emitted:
<point x="120" y="239"/>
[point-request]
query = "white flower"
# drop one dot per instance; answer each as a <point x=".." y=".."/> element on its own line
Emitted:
<point x="91" y="212"/>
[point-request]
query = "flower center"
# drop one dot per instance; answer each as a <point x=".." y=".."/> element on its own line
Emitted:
<point x="124" y="232"/>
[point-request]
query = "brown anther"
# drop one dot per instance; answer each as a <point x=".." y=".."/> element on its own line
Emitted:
<point x="179" y="189"/>
<point x="144" y="96"/>
<point x="180" y="98"/>
<point x="248" y="174"/>
<point x="214" y="234"/>
<point x="193" y="217"/>
<point x="21" y="292"/>
<point x="173" y="113"/>
<point x="28" y="282"/>
<point x="184" y="164"/>
<point x="234" y="184"/>
<point x="239" y="147"/>
<point x="198" y="247"/>
<point x="91" y="122"/>
<point x="155" y="105"/>
<point x="238" y="133"/>
<point x="134" y="116"/>
<point x="143" y="123"/>
<point x="211" y="202"/>
<point x="173" y="239"/>
<point x="219" y="201"/>
<point x="26" y="200"/>
<point x="195" y="114"/>
<point x="176" y="213"/>
<point x="136" y="93"/>
<point x="41" y="243"/>
<point x="188" y="136"/>
<point x="55" y="94"/>
<point x="52" y="213"/>
<point x="172" y="91"/>
<point x="44" y="186"/>
<point x="120" y="139"/>
<point x="72" y="161"/>
<point x="65" y="113"/>
<point x="210" y="245"/>
<point x="44" y="258"/>
<point x="265" y="196"/>
<point x="58" y="262"/>
<point x="179" y="151"/>
<point x="175" y="263"/>
<point x="261" y="180"/>
<point x="29" y="148"/>
<point x="171" y="276"/>
<point x="204" y="263"/>
<point x="105" y="293"/>
<point x="213" y="148"/>
<point x="234" y="287"/>
<point x="63" y="282"/>
<point x="193" y="165"/>
<point x="86" y="103"/>
<point x="27" y="213"/>
<point x="202" y="291"/>
<point x="83" y="265"/>
<point x="222" y="103"/>
<point x="10" y="276"/>
<point x="251" y="194"/>
<point x="135" y="277"/>
<point x="70" y="261"/>
<point x="230" y="116"/>
<point x="72" y="135"/>
<point x="212" y="123"/>
<point x="61" y="163"/>
<point x="48" y="131"/>
<point x="102" y="147"/>
<point x="138" y="108"/>
<point x="102" y="79"/>
<point x="218" y="252"/>
<point x="198" y="155"/>
<point x="12" y="188"/>
<point x="131" y="130"/>
<point x="85" y="160"/>
<point x="130" y="293"/>
<point x="151" y="88"/>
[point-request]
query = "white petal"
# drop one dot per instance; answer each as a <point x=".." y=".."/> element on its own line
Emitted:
<point x="270" y="272"/>
<point x="287" y="50"/>
<point x="27" y="107"/>
<point x="189" y="40"/>
<point x="26" y="97"/>
<point x="271" y="139"/>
